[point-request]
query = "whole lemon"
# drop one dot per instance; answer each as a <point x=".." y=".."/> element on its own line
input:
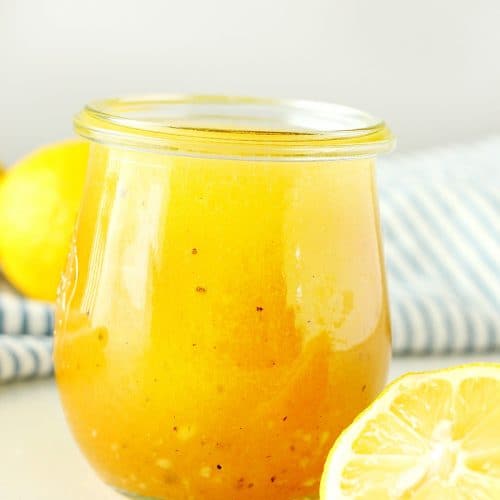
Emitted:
<point x="39" y="201"/>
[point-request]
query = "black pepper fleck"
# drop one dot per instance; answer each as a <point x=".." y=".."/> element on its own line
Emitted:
<point x="273" y="478"/>
<point x="259" y="308"/>
<point x="284" y="418"/>
<point x="219" y="466"/>
<point x="201" y="289"/>
<point x="363" y="388"/>
<point x="174" y="428"/>
<point x="194" y="251"/>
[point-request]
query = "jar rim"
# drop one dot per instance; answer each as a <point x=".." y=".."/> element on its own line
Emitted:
<point x="234" y="127"/>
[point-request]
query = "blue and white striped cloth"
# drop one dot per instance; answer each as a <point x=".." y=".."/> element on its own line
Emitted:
<point x="440" y="215"/>
<point x="441" y="220"/>
<point x="26" y="328"/>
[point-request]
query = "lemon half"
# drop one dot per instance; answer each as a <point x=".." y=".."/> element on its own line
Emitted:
<point x="433" y="435"/>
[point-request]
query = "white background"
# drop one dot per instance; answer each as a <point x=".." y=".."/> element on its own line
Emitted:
<point x="431" y="68"/>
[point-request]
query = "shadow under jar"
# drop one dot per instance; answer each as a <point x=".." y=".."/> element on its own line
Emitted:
<point x="223" y="315"/>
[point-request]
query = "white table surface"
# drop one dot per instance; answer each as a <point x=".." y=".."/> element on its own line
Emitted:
<point x="40" y="461"/>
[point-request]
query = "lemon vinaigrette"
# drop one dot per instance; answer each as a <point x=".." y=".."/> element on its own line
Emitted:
<point x="223" y="316"/>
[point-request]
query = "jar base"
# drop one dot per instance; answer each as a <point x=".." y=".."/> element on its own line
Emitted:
<point x="136" y="496"/>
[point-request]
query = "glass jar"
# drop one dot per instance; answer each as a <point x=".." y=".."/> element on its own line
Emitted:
<point x="223" y="315"/>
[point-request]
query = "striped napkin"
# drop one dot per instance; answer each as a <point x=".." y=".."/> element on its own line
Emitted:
<point x="26" y="328"/>
<point x="440" y="214"/>
<point x="441" y="221"/>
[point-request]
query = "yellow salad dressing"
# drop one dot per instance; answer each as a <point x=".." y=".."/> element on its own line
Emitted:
<point x="221" y="319"/>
